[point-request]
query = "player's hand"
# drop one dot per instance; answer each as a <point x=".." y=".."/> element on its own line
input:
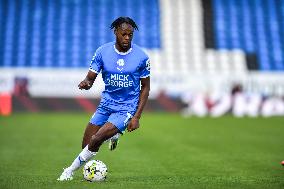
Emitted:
<point x="133" y="124"/>
<point x="85" y="84"/>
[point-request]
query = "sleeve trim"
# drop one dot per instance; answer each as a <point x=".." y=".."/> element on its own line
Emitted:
<point x="145" y="76"/>
<point x="92" y="70"/>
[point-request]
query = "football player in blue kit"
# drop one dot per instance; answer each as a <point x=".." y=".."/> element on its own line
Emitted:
<point x="125" y="69"/>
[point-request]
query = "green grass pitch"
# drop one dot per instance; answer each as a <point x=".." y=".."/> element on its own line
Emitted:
<point x="168" y="151"/>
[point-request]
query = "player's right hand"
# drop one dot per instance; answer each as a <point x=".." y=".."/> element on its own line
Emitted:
<point x="85" y="85"/>
<point x="133" y="124"/>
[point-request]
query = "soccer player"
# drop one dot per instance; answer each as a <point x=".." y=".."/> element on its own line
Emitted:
<point x="125" y="69"/>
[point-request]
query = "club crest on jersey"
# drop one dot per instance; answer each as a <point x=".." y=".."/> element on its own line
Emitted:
<point x="120" y="63"/>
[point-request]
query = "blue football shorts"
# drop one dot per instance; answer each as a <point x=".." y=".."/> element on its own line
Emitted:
<point x="119" y="119"/>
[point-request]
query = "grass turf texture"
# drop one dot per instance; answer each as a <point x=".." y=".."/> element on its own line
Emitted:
<point x="168" y="151"/>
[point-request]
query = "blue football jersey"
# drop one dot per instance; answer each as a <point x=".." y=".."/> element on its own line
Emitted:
<point x="121" y="73"/>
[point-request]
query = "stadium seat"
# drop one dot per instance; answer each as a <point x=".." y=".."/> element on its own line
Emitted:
<point x="65" y="34"/>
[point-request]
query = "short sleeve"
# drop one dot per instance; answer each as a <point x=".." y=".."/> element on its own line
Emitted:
<point x="145" y="69"/>
<point x="96" y="62"/>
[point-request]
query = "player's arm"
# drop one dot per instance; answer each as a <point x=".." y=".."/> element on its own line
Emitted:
<point x="144" y="93"/>
<point x="88" y="82"/>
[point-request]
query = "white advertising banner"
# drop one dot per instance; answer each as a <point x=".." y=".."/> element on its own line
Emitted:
<point x="64" y="82"/>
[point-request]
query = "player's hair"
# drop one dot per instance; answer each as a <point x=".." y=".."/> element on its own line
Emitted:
<point x="116" y="23"/>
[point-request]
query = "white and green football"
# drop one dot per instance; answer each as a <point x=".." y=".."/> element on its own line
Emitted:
<point x="95" y="170"/>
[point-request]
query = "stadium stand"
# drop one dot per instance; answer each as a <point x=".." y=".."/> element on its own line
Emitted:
<point x="194" y="45"/>
<point x="66" y="33"/>
<point x="190" y="36"/>
<point x="254" y="27"/>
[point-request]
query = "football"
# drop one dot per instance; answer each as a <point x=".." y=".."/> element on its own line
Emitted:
<point x="95" y="170"/>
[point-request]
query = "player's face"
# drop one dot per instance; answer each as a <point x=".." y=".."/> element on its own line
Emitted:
<point x="124" y="35"/>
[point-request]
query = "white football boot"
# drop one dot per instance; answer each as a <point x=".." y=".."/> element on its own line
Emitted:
<point x="66" y="175"/>
<point x="113" y="142"/>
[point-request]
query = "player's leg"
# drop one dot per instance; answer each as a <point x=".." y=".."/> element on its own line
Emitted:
<point x="104" y="133"/>
<point x="90" y="130"/>
<point x="97" y="120"/>
<point x="84" y="156"/>
<point x="120" y="120"/>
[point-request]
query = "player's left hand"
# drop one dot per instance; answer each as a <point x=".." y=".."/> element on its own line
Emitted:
<point x="133" y="124"/>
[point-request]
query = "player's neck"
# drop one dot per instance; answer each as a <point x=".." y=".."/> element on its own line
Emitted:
<point x="122" y="51"/>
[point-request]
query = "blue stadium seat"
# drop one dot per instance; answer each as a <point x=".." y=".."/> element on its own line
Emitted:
<point x="55" y="33"/>
<point x="255" y="26"/>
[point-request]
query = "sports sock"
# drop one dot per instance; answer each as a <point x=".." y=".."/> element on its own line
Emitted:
<point x="83" y="157"/>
